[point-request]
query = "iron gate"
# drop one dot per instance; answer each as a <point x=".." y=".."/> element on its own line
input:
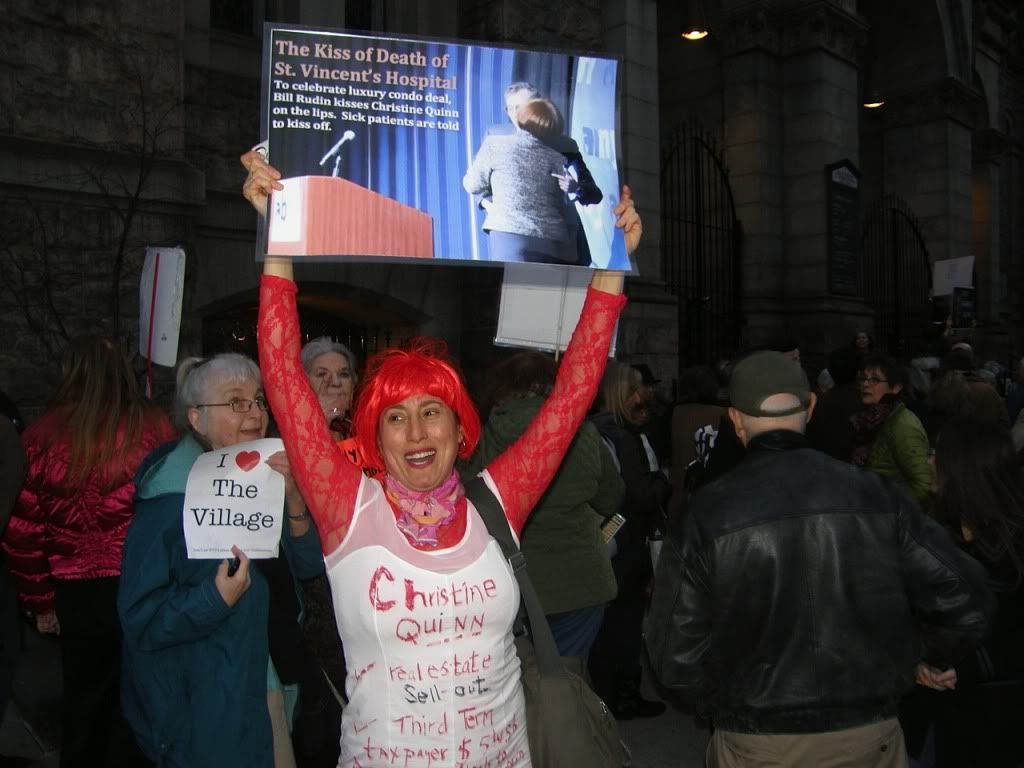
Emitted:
<point x="701" y="242"/>
<point x="897" y="277"/>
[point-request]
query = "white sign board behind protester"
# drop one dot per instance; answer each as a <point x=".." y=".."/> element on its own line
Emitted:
<point x="952" y="273"/>
<point x="160" y="292"/>
<point x="540" y="306"/>
<point x="234" y="499"/>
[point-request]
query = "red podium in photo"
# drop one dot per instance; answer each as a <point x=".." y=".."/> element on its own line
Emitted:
<point x="328" y="216"/>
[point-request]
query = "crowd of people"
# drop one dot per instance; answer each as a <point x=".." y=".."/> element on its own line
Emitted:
<point x="830" y="575"/>
<point x="841" y="574"/>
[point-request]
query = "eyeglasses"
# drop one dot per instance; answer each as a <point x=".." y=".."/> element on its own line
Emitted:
<point x="871" y="380"/>
<point x="239" y="404"/>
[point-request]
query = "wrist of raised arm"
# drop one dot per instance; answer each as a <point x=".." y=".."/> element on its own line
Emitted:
<point x="275" y="266"/>
<point x="606" y="282"/>
<point x="278" y="284"/>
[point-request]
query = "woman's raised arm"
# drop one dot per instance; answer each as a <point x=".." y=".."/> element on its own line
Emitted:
<point x="524" y="471"/>
<point x="328" y="481"/>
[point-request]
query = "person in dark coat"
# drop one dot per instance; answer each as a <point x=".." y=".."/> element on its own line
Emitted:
<point x="831" y="430"/>
<point x="615" y="659"/>
<point x="959" y="391"/>
<point x="796" y="597"/>
<point x="975" y="707"/>
<point x="1015" y="397"/>
<point x="12" y="474"/>
<point x="728" y="451"/>
<point x="693" y="419"/>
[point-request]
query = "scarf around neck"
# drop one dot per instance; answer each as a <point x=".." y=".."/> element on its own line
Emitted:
<point x="439" y="503"/>
<point x="868" y="423"/>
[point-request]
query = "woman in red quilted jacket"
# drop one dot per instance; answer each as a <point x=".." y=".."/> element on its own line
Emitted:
<point x="65" y="538"/>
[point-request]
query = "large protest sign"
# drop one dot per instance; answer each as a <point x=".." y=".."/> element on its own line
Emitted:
<point x="407" y="149"/>
<point x="233" y="498"/>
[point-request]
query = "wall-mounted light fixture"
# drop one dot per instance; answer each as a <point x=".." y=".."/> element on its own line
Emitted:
<point x="874" y="97"/>
<point x="695" y="21"/>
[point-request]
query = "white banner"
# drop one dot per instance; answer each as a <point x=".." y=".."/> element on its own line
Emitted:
<point x="540" y="306"/>
<point x="161" y="287"/>
<point x="952" y="273"/>
<point x="234" y="499"/>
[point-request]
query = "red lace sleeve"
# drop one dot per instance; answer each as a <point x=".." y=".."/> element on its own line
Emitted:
<point x="327" y="480"/>
<point x="523" y="472"/>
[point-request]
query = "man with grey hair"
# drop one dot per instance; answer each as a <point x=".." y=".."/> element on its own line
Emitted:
<point x="796" y="599"/>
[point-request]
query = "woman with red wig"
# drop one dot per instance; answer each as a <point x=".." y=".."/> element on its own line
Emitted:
<point x="425" y="599"/>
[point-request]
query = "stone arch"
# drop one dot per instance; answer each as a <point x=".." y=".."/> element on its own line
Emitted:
<point x="918" y="43"/>
<point x="363" y="319"/>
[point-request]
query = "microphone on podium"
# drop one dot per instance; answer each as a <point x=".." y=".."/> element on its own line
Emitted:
<point x="346" y="136"/>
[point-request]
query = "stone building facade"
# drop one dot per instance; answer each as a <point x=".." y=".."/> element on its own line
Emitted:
<point x="781" y="84"/>
<point x="121" y="124"/>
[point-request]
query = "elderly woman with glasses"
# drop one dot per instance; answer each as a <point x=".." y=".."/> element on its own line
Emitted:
<point x="888" y="437"/>
<point x="425" y="599"/>
<point x="197" y="659"/>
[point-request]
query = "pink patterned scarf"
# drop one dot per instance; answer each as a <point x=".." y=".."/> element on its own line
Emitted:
<point x="423" y="513"/>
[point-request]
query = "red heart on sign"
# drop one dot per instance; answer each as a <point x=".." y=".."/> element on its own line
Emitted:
<point x="246" y="460"/>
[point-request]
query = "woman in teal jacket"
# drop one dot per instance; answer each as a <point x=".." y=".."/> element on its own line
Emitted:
<point x="196" y="658"/>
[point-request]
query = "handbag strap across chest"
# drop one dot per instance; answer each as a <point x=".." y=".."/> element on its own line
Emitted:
<point x="487" y="506"/>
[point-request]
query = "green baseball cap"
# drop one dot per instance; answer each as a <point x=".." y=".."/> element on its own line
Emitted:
<point x="760" y="375"/>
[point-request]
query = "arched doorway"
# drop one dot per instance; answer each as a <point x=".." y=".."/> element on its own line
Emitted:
<point x="897" y="277"/>
<point x="701" y="240"/>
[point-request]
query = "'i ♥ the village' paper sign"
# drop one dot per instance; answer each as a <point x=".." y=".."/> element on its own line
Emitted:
<point x="234" y="499"/>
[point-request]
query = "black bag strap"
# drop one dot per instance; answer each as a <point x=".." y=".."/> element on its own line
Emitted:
<point x="549" y="662"/>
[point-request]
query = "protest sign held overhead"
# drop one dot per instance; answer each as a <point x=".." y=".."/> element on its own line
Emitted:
<point x="414" y="149"/>
<point x="234" y="499"/>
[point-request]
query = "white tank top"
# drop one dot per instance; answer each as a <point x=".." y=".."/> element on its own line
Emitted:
<point x="433" y="677"/>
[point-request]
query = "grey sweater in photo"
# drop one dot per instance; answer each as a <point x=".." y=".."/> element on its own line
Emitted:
<point x="515" y="170"/>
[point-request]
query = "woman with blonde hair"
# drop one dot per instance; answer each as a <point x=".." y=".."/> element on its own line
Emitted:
<point x="615" y="658"/>
<point x="65" y="538"/>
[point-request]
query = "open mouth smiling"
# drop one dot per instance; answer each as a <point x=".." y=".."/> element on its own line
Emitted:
<point x="420" y="458"/>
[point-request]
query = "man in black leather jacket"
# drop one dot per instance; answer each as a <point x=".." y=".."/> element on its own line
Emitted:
<point x="800" y="592"/>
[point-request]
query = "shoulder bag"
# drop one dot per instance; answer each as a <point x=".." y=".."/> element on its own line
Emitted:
<point x="567" y="723"/>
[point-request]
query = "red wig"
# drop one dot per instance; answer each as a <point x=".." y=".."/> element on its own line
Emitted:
<point x="395" y="375"/>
